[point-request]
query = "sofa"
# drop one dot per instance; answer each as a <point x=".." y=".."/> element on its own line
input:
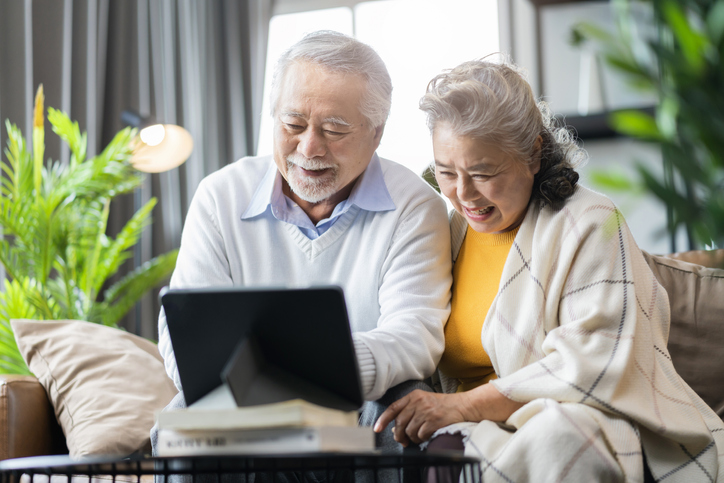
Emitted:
<point x="31" y="408"/>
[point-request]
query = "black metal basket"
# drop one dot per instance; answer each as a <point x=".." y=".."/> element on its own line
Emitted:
<point x="287" y="468"/>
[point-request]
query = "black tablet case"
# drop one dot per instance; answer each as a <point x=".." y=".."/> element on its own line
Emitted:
<point x="267" y="344"/>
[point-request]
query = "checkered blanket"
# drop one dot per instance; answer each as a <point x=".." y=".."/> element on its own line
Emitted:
<point x="578" y="331"/>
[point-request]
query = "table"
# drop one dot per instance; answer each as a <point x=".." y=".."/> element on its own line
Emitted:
<point x="288" y="468"/>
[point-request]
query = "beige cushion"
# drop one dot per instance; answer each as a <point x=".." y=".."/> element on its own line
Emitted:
<point x="105" y="384"/>
<point x="696" y="338"/>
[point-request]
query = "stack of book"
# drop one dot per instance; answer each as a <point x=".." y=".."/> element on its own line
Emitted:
<point x="294" y="426"/>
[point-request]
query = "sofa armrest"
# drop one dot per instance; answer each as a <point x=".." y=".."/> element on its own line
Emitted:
<point x="27" y="423"/>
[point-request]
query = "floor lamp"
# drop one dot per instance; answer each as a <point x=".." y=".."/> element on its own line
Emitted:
<point x="156" y="148"/>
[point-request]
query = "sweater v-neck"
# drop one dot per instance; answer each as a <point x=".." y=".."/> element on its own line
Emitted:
<point x="312" y="248"/>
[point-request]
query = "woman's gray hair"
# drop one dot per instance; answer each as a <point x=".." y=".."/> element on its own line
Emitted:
<point x="341" y="53"/>
<point x="494" y="103"/>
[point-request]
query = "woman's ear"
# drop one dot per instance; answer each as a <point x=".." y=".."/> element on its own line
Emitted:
<point x="534" y="165"/>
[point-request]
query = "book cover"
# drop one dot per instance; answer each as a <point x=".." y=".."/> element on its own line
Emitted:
<point x="266" y="441"/>
<point x="294" y="413"/>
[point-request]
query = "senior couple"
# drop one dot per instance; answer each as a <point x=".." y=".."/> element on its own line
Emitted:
<point x="546" y="327"/>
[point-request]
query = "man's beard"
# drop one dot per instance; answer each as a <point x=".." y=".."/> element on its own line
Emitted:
<point x="311" y="189"/>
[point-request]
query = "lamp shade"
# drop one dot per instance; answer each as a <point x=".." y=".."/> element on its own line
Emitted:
<point x="158" y="147"/>
<point x="173" y="150"/>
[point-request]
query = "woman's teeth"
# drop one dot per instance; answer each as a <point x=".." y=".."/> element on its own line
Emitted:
<point x="481" y="212"/>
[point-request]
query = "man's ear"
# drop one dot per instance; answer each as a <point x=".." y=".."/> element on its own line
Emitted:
<point x="379" y="130"/>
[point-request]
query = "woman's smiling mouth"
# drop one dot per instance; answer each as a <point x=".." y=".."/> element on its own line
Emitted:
<point x="480" y="212"/>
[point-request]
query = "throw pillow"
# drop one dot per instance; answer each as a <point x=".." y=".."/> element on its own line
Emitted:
<point x="105" y="384"/>
<point x="696" y="337"/>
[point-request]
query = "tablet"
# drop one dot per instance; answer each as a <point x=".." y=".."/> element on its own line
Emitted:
<point x="267" y="344"/>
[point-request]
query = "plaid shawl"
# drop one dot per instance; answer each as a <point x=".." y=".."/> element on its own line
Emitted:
<point x="578" y="331"/>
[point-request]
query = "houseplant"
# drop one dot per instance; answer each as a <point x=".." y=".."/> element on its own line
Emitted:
<point x="55" y="251"/>
<point x="681" y="60"/>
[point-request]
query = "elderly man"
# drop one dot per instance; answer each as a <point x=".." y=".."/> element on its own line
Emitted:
<point x="325" y="209"/>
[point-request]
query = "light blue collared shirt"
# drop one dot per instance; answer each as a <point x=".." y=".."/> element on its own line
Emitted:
<point x="370" y="193"/>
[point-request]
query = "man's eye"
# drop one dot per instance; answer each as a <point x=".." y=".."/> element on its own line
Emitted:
<point x="481" y="176"/>
<point x="333" y="133"/>
<point x="446" y="174"/>
<point x="293" y="127"/>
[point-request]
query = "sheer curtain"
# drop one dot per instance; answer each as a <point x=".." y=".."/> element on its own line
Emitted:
<point x="196" y="63"/>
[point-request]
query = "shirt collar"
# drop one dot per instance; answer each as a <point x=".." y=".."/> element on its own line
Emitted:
<point x="370" y="193"/>
<point x="263" y="196"/>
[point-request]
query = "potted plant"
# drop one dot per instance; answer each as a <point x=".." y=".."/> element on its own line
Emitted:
<point x="683" y="64"/>
<point x="54" y="249"/>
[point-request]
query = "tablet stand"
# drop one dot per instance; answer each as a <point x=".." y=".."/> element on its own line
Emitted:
<point x="253" y="379"/>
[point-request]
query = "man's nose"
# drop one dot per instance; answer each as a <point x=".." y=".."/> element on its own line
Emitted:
<point x="311" y="144"/>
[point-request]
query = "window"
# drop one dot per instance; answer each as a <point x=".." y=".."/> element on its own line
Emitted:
<point x="417" y="39"/>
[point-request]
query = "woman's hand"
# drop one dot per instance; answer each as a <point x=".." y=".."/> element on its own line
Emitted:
<point x="419" y="414"/>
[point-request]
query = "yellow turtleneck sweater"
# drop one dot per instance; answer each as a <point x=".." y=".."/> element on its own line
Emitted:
<point x="476" y="278"/>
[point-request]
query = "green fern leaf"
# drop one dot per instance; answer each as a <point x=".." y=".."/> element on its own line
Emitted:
<point x="129" y="235"/>
<point x="124" y="294"/>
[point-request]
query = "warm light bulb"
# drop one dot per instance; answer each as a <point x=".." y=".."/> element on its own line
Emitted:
<point x="153" y="135"/>
<point x="167" y="147"/>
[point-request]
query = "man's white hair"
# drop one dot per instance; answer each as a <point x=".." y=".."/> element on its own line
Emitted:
<point x="341" y="53"/>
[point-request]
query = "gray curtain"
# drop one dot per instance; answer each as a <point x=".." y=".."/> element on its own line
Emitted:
<point x="195" y="63"/>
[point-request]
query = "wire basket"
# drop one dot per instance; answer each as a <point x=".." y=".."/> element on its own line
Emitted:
<point x="288" y="468"/>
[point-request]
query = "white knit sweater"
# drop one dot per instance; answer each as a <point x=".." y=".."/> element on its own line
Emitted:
<point x="394" y="266"/>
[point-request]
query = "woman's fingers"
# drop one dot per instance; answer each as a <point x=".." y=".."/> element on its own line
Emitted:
<point x="429" y="410"/>
<point x="414" y="425"/>
<point x="426" y="431"/>
<point x="418" y="415"/>
<point x="403" y="432"/>
<point x="432" y="412"/>
<point x="390" y="414"/>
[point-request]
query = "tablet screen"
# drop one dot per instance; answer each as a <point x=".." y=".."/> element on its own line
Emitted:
<point x="296" y="340"/>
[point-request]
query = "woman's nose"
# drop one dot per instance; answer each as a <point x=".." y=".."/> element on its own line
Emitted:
<point x="465" y="190"/>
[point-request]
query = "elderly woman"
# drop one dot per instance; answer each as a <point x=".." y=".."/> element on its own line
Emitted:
<point x="555" y="365"/>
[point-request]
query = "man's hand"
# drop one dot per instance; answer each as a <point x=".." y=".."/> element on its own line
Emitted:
<point x="419" y="414"/>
